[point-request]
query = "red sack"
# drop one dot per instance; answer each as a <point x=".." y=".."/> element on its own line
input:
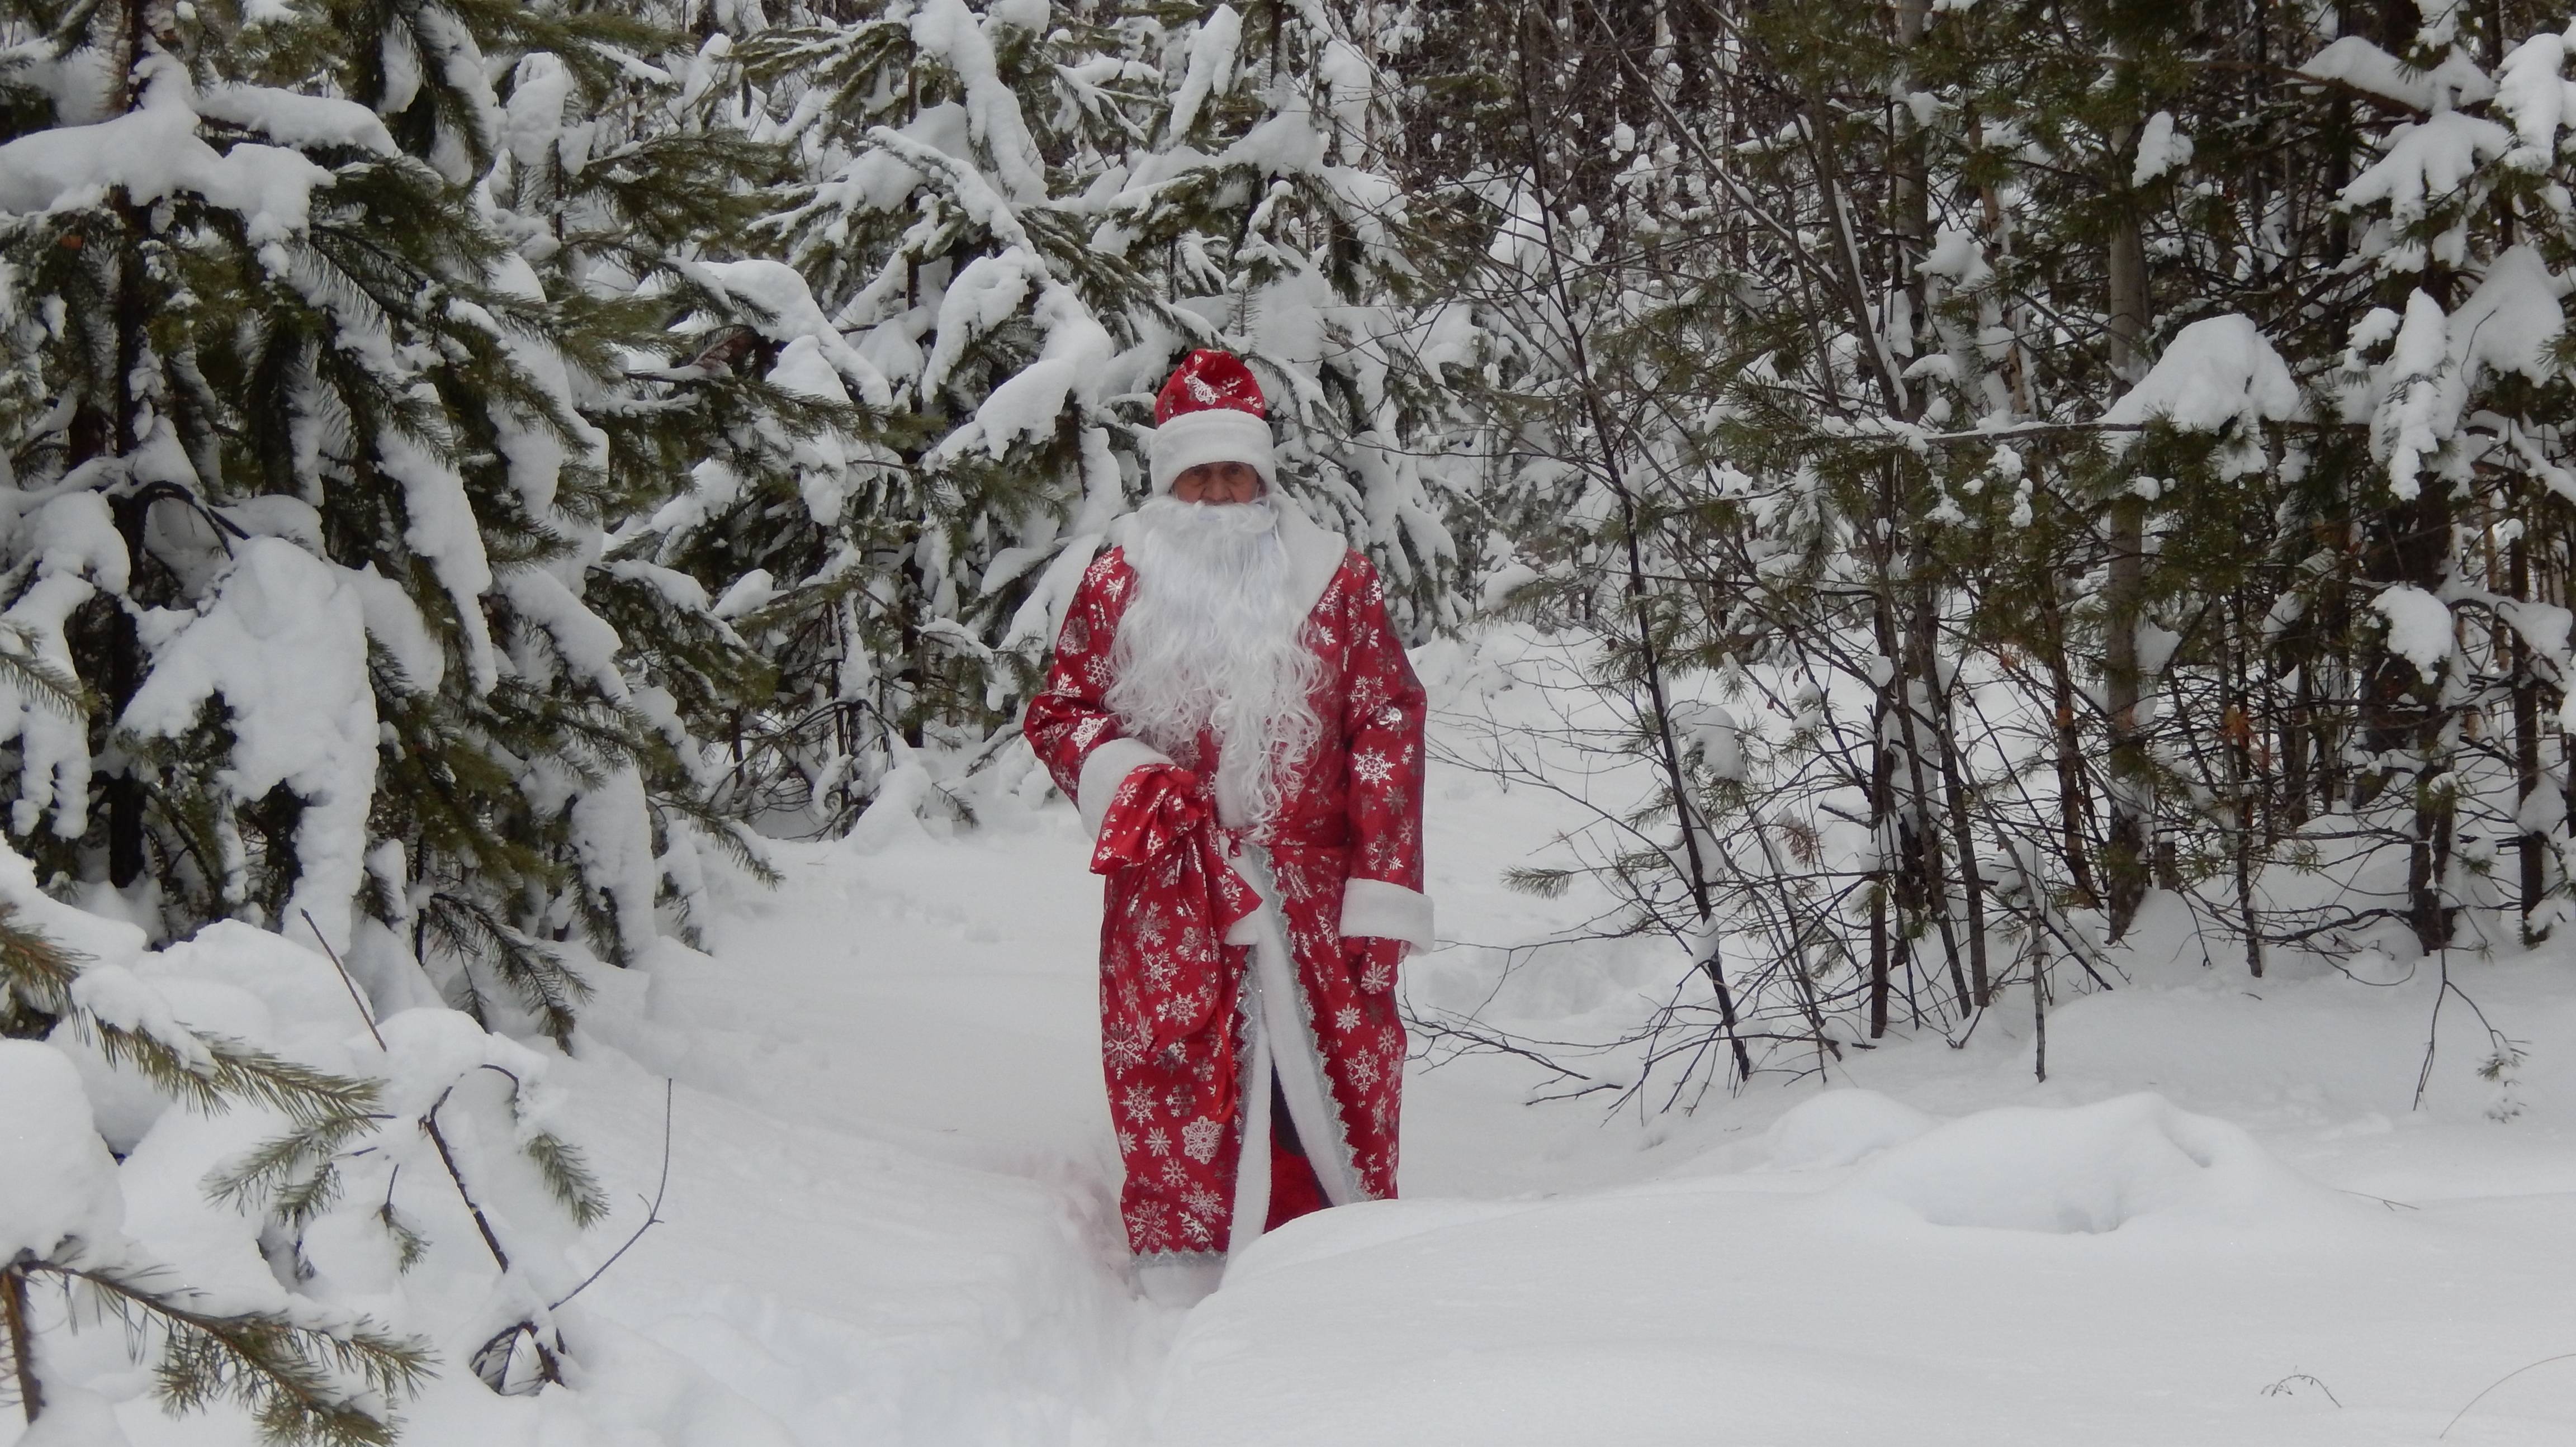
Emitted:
<point x="1179" y="897"/>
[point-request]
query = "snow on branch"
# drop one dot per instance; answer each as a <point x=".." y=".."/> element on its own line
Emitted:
<point x="948" y="31"/>
<point x="2362" y="66"/>
<point x="2425" y="163"/>
<point x="2511" y="323"/>
<point x="2538" y="98"/>
<point x="2217" y="375"/>
<point x="154" y="152"/>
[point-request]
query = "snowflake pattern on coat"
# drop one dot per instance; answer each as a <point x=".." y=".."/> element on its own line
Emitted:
<point x="1352" y="807"/>
<point x="1179" y="977"/>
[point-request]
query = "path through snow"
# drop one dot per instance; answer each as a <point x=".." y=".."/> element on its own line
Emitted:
<point x="893" y="1210"/>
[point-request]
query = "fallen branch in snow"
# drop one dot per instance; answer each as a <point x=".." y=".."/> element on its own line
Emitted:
<point x="493" y="1362"/>
<point x="652" y="1211"/>
<point x="447" y="1158"/>
<point x="351" y="985"/>
<point x="2498" y="1382"/>
<point x="429" y="1120"/>
<point x="2282" y="1388"/>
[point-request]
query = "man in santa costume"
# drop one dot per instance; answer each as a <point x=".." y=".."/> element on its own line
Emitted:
<point x="1239" y="726"/>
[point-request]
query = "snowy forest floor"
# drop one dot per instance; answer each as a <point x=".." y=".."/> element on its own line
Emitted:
<point x="891" y="1214"/>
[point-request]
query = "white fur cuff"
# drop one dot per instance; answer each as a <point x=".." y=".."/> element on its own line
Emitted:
<point x="1219" y="434"/>
<point x="1103" y="770"/>
<point x="1386" y="911"/>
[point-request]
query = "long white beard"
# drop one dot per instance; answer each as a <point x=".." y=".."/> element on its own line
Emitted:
<point x="1212" y="641"/>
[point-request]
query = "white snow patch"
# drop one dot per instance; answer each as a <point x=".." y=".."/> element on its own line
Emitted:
<point x="2419" y="627"/>
<point x="2457" y="80"/>
<point x="296" y="120"/>
<point x="283" y="642"/>
<point x="2161" y="149"/>
<point x="2426" y="162"/>
<point x="59" y="1189"/>
<point x="951" y="33"/>
<point x="153" y="152"/>
<point x="1957" y="255"/>
<point x="444" y="530"/>
<point x="534" y="118"/>
<point x="2534" y="93"/>
<point x="2216" y="373"/>
<point x="2092" y="1169"/>
<point x="1840" y="1127"/>
<point x="77" y="551"/>
<point x="1210" y="69"/>
<point x="2512" y="322"/>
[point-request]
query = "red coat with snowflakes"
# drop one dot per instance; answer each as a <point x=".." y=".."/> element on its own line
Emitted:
<point x="1192" y="1011"/>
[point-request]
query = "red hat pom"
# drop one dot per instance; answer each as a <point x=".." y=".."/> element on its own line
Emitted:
<point x="1209" y="380"/>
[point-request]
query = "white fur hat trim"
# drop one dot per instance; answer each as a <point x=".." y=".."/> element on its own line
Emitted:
<point x="1215" y="434"/>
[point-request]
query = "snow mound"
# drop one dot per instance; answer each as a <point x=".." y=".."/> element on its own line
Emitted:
<point x="1362" y="1226"/>
<point x="2092" y="1169"/>
<point x="1841" y="1127"/>
<point x="60" y="1184"/>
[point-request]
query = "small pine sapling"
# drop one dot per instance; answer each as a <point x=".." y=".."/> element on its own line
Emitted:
<point x="435" y="1062"/>
<point x="306" y="1373"/>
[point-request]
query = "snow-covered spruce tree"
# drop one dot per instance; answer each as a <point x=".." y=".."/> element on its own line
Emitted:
<point x="1270" y="223"/>
<point x="2458" y="509"/>
<point x="939" y="280"/>
<point x="622" y="171"/>
<point x="306" y="500"/>
<point x="1010" y="222"/>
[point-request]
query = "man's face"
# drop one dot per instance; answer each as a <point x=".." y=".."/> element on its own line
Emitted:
<point x="1218" y="482"/>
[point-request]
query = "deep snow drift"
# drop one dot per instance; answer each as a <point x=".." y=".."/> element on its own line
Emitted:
<point x="890" y="1215"/>
<point x="2123" y="1272"/>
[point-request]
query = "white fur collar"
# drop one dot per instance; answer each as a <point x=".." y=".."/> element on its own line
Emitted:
<point x="1315" y="554"/>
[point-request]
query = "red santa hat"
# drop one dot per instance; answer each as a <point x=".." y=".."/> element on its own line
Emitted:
<point x="1210" y="411"/>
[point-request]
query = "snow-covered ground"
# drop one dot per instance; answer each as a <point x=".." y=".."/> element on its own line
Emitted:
<point x="2218" y="1222"/>
<point x="890" y="1213"/>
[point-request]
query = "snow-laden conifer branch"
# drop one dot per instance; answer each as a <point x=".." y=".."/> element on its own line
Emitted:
<point x="305" y="1377"/>
<point x="132" y="1026"/>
